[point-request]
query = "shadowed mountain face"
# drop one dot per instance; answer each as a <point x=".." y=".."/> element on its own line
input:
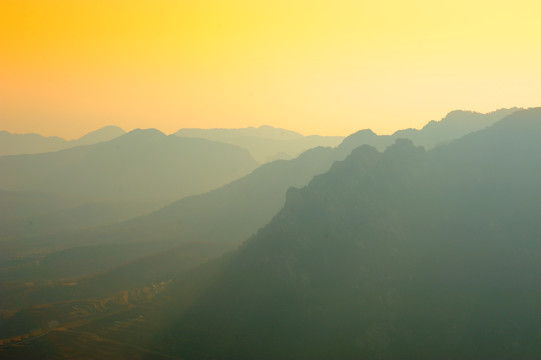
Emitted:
<point x="143" y="165"/>
<point x="402" y="254"/>
<point x="265" y="143"/>
<point x="13" y="144"/>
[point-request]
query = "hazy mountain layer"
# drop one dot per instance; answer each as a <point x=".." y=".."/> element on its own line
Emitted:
<point x="228" y="214"/>
<point x="453" y="126"/>
<point x="14" y="144"/>
<point x="143" y="165"/>
<point x="402" y="254"/>
<point x="264" y="143"/>
<point x="237" y="210"/>
<point x="264" y="132"/>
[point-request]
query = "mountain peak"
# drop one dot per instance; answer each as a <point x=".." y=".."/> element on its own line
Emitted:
<point x="361" y="136"/>
<point x="263" y="127"/>
<point x="363" y="132"/>
<point x="105" y="133"/>
<point x="137" y="136"/>
<point x="358" y="138"/>
<point x="526" y="117"/>
<point x="151" y="132"/>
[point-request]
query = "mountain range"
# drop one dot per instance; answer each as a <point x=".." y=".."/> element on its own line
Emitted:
<point x="234" y="211"/>
<point x="228" y="214"/>
<point x="142" y="165"/>
<point x="14" y="144"/>
<point x="265" y="143"/>
<point x="403" y="252"/>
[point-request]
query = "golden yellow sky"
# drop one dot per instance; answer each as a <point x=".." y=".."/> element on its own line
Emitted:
<point x="327" y="67"/>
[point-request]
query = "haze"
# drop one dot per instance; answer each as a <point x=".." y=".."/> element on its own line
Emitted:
<point x="316" y="67"/>
<point x="245" y="179"/>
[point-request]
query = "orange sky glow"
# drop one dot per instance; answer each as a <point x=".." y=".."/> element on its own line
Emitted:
<point x="325" y="67"/>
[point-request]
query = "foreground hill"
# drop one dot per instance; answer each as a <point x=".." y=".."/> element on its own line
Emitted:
<point x="14" y="144"/>
<point x="265" y="143"/>
<point x="402" y="254"/>
<point x="143" y="165"/>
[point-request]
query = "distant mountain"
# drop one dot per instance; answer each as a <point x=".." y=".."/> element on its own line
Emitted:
<point x="15" y="144"/>
<point x="453" y="126"/>
<point x="265" y="143"/>
<point x="403" y="254"/>
<point x="12" y="144"/>
<point x="143" y="165"/>
<point x="104" y="134"/>
<point x="265" y="132"/>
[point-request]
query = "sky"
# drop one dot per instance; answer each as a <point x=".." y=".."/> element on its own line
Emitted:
<point x="317" y="67"/>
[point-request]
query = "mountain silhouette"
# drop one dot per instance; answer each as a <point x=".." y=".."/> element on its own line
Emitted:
<point x="453" y="126"/>
<point x="142" y="165"/>
<point x="229" y="214"/>
<point x="264" y="131"/>
<point x="14" y="144"/>
<point x="402" y="254"/>
<point x="235" y="210"/>
<point x="103" y="134"/>
<point x="264" y="143"/>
